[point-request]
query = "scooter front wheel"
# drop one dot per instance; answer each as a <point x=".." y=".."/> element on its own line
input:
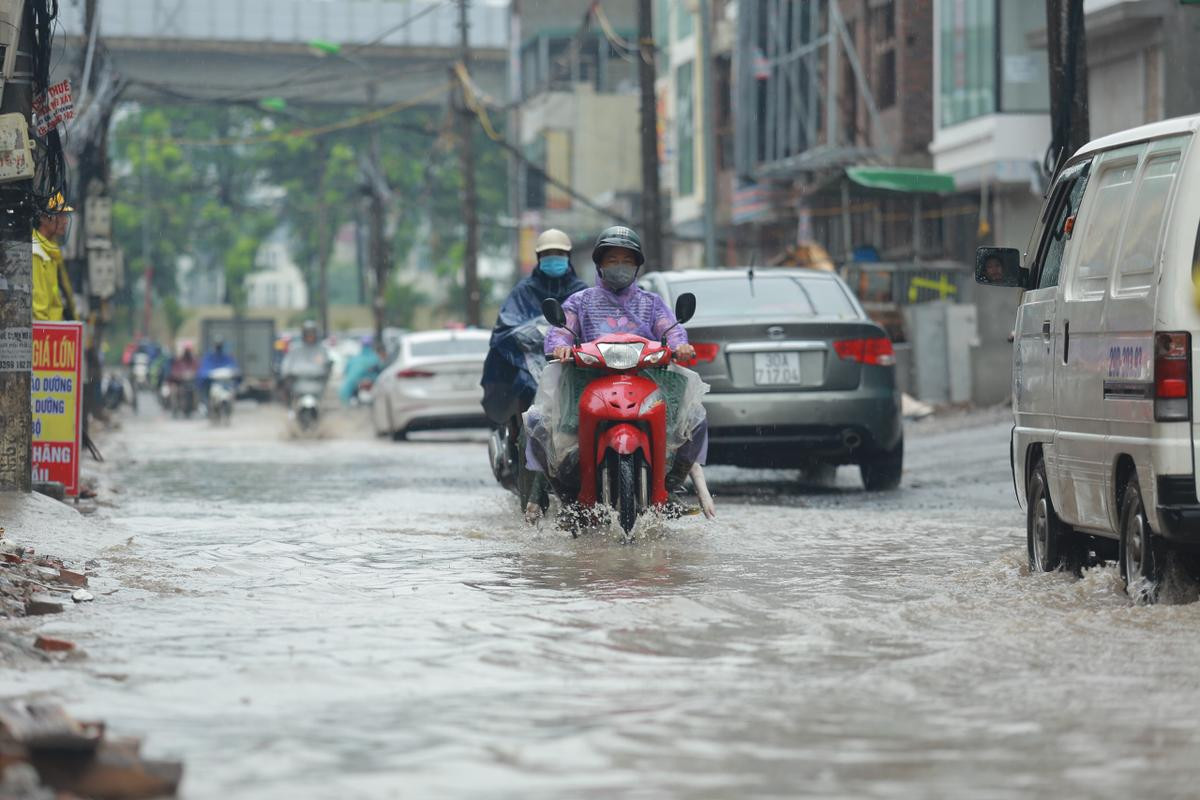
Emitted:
<point x="627" y="491"/>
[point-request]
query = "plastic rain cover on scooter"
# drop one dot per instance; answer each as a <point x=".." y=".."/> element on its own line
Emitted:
<point x="553" y="419"/>
<point x="513" y="368"/>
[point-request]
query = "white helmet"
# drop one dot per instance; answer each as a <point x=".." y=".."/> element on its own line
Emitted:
<point x="552" y="239"/>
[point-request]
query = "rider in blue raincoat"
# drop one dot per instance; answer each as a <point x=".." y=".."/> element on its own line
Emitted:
<point x="215" y="359"/>
<point x="508" y="383"/>
<point x="365" y="365"/>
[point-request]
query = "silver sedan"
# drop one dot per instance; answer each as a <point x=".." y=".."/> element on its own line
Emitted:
<point x="433" y="382"/>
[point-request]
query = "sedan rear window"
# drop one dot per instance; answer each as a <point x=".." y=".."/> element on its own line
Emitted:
<point x="448" y="347"/>
<point x="767" y="295"/>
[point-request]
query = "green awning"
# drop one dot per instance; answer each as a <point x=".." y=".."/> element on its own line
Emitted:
<point x="895" y="179"/>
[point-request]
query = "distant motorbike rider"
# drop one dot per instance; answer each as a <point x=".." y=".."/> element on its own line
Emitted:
<point x="217" y="358"/>
<point x="515" y="355"/>
<point x="306" y="358"/>
<point x="183" y="368"/>
<point x="363" y="367"/>
<point x="617" y="305"/>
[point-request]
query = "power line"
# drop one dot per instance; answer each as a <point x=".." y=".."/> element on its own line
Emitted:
<point x="354" y="50"/>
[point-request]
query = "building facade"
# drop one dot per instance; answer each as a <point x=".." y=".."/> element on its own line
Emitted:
<point x="578" y="118"/>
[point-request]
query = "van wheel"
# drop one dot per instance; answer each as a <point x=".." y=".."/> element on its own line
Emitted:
<point x="1142" y="554"/>
<point x="882" y="473"/>
<point x="1045" y="533"/>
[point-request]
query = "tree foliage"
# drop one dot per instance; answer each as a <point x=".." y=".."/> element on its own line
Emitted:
<point x="177" y="194"/>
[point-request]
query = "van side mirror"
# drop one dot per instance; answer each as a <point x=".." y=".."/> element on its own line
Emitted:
<point x="999" y="266"/>
<point x="685" y="307"/>
<point x="552" y="310"/>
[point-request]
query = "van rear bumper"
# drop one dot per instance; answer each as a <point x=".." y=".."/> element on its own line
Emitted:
<point x="1180" y="523"/>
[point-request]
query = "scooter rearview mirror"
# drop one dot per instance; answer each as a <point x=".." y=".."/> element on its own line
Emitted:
<point x="552" y="310"/>
<point x="685" y="307"/>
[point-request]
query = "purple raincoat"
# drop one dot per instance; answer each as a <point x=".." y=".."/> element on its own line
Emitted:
<point x="598" y="311"/>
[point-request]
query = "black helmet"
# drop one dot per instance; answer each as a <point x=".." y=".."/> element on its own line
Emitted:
<point x="618" y="236"/>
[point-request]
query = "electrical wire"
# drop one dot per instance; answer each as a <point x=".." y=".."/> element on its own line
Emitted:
<point x="308" y="133"/>
<point x="349" y="51"/>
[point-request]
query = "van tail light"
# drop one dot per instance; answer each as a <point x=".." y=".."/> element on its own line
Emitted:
<point x="705" y="353"/>
<point x="876" y="351"/>
<point x="1172" y="377"/>
<point x="414" y="373"/>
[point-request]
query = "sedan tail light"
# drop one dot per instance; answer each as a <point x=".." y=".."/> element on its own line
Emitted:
<point x="414" y="373"/>
<point x="1172" y="377"/>
<point x="877" y="351"/>
<point x="706" y="352"/>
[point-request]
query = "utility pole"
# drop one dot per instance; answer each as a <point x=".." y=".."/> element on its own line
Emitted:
<point x="466" y="129"/>
<point x="147" y="264"/>
<point x="652" y="234"/>
<point x="710" y="135"/>
<point x="16" y="301"/>
<point x="1066" y="48"/>
<point x="515" y="93"/>
<point x="323" y="233"/>
<point x="378" y="260"/>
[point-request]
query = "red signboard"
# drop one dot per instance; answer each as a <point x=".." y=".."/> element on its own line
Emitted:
<point x="57" y="402"/>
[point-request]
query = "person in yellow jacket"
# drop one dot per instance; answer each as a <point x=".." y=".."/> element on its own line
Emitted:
<point x="53" y="298"/>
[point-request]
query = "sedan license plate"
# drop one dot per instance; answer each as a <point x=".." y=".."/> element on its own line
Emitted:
<point x="776" y="369"/>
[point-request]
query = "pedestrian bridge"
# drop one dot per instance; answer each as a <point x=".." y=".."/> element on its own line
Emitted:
<point x="238" y="51"/>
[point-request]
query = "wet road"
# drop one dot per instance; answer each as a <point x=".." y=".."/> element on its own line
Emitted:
<point x="358" y="618"/>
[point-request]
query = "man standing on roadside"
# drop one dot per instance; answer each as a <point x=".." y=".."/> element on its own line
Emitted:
<point x="53" y="298"/>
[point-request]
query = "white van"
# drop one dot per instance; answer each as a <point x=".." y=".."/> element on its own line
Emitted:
<point x="1104" y="445"/>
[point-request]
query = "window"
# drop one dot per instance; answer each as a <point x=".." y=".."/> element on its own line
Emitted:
<point x="1102" y="224"/>
<point x="1024" y="70"/>
<point x="1143" y="228"/>
<point x="885" y="83"/>
<point x="1063" y="207"/>
<point x="683" y="20"/>
<point x="968" y="59"/>
<point x="768" y="295"/>
<point x="685" y="131"/>
<point x="448" y="347"/>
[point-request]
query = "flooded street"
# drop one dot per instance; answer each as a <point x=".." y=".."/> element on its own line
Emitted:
<point x="353" y="617"/>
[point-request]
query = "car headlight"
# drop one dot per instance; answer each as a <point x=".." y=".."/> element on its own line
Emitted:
<point x="622" y="356"/>
<point x="587" y="359"/>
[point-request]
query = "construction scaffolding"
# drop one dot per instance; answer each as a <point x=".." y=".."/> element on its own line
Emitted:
<point x="792" y="56"/>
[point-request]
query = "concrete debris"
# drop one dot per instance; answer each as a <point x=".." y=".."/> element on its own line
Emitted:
<point x="82" y="596"/>
<point x="72" y="578"/>
<point x="40" y="604"/>
<point x="75" y="758"/>
<point x="51" y="645"/>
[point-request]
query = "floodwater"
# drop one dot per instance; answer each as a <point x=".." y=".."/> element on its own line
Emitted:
<point x="358" y="618"/>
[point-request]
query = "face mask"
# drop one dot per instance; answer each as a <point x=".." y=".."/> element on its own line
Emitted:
<point x="554" y="266"/>
<point x="618" y="276"/>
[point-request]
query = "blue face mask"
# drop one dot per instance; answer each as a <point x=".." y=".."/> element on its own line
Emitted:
<point x="554" y="266"/>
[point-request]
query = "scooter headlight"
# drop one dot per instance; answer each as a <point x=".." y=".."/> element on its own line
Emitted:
<point x="622" y="356"/>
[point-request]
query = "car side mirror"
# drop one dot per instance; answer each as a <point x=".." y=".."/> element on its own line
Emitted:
<point x="685" y="307"/>
<point x="999" y="266"/>
<point x="552" y="310"/>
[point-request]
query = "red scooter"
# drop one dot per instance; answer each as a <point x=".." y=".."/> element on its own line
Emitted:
<point x="622" y="419"/>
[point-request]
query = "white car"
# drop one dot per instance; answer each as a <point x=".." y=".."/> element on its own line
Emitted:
<point x="1104" y="449"/>
<point x="433" y="382"/>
